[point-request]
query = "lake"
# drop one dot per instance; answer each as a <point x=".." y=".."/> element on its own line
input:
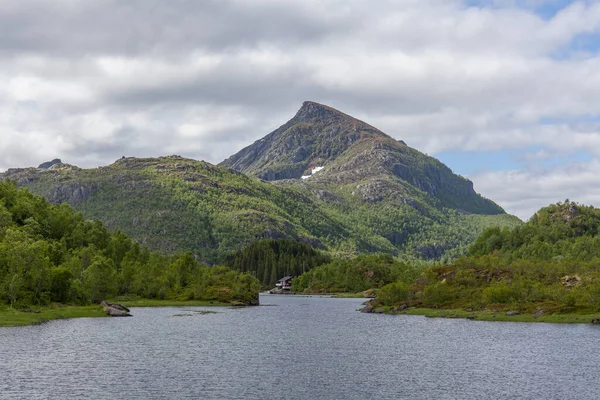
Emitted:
<point x="297" y="348"/>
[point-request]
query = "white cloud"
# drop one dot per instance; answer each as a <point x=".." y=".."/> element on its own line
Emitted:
<point x="523" y="192"/>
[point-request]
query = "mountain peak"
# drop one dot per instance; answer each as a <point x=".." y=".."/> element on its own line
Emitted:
<point x="315" y="136"/>
<point x="312" y="111"/>
<point x="49" y="164"/>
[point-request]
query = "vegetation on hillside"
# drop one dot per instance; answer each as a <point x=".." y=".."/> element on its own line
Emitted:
<point x="269" y="260"/>
<point x="549" y="265"/>
<point x="172" y="204"/>
<point x="563" y="231"/>
<point x="49" y="253"/>
<point x="371" y="194"/>
<point x="355" y="275"/>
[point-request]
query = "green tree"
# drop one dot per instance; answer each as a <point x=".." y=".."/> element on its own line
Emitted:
<point x="100" y="279"/>
<point x="60" y="284"/>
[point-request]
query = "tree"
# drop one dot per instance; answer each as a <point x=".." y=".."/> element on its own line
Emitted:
<point x="60" y="284"/>
<point x="100" y="279"/>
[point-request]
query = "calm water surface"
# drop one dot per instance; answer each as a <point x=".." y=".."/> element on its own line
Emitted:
<point x="296" y="348"/>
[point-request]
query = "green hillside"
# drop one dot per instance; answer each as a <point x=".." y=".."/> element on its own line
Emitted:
<point x="374" y="195"/>
<point x="50" y="253"/>
<point x="549" y="265"/>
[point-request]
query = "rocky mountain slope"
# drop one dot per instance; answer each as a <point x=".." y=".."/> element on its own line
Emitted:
<point x="344" y="151"/>
<point x="325" y="178"/>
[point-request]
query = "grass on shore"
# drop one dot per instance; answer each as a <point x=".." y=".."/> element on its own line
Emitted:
<point x="38" y="315"/>
<point x="349" y="296"/>
<point x="501" y="316"/>
<point x="169" y="303"/>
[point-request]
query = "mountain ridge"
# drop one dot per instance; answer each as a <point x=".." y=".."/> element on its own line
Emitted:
<point x="350" y="151"/>
<point x="374" y="194"/>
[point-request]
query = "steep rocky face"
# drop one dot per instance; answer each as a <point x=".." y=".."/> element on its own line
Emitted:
<point x="48" y="164"/>
<point x="316" y="135"/>
<point x="350" y="151"/>
<point x="64" y="190"/>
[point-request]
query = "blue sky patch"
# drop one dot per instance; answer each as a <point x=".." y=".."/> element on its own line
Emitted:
<point x="547" y="10"/>
<point x="578" y="119"/>
<point x="468" y="163"/>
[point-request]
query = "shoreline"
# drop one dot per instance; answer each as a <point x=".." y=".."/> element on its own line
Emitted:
<point x="38" y="315"/>
<point x="342" y="295"/>
<point x="497" y="316"/>
<point x="10" y="317"/>
<point x="171" y="303"/>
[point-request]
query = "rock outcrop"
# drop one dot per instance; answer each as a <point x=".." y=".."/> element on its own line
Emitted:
<point x="367" y="309"/>
<point x="48" y="164"/>
<point x="115" y="310"/>
<point x="571" y="280"/>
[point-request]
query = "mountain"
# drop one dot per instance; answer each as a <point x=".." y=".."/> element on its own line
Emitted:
<point x="344" y="151"/>
<point x="411" y="200"/>
<point x="324" y="178"/>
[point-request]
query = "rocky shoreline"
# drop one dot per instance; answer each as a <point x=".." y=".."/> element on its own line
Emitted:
<point x="484" y="315"/>
<point x="115" y="310"/>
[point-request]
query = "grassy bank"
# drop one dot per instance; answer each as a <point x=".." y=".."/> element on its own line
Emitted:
<point x="349" y="296"/>
<point x="38" y="315"/>
<point x="500" y="316"/>
<point x="170" y="303"/>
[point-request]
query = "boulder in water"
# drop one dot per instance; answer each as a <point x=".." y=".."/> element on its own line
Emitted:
<point x="115" y="310"/>
<point x="367" y="309"/>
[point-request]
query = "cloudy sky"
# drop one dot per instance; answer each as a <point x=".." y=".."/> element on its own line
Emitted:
<point x="505" y="92"/>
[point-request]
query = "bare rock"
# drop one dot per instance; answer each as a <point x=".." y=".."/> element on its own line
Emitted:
<point x="367" y="309"/>
<point x="115" y="310"/>
<point x="48" y="164"/>
<point x="571" y="280"/>
<point x="369" y="294"/>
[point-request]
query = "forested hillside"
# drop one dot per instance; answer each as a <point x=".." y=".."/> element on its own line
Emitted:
<point x="270" y="260"/>
<point x="562" y="231"/>
<point x="549" y="265"/>
<point x="364" y="272"/>
<point x="50" y="253"/>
